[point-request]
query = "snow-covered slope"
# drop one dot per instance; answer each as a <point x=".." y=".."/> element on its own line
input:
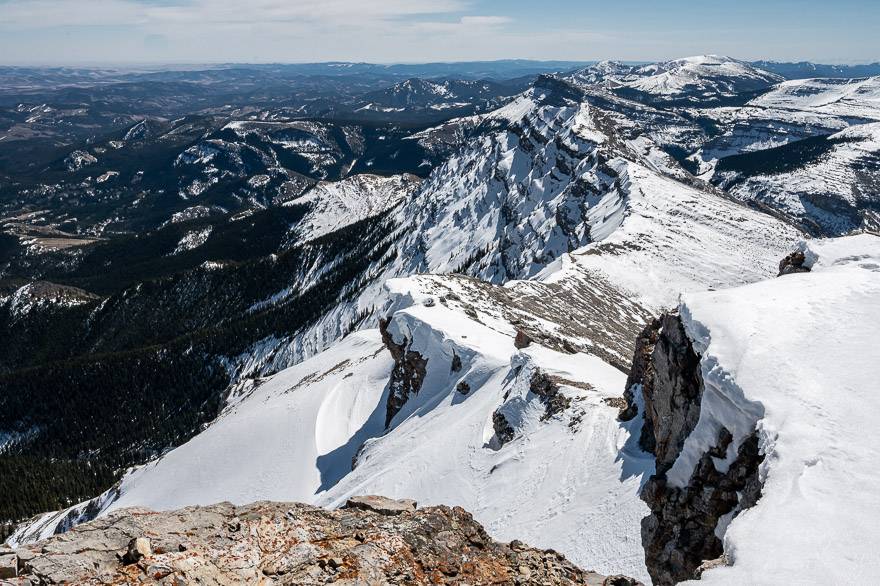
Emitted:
<point x="291" y="435"/>
<point x="703" y="76"/>
<point x="791" y="111"/>
<point x="852" y="98"/>
<point x="334" y="204"/>
<point x="796" y="359"/>
<point x="296" y="435"/>
<point x="556" y="178"/>
<point x="752" y="128"/>
<point x="828" y="195"/>
<point x="267" y="443"/>
<point x="833" y="182"/>
<point x="673" y="238"/>
<point x="564" y="479"/>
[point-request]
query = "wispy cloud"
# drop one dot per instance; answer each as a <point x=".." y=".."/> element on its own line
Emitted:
<point x="485" y="20"/>
<point x="222" y="30"/>
<point x="43" y="13"/>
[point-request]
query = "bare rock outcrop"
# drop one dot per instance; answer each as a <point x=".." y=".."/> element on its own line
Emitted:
<point x="408" y="374"/>
<point x="373" y="541"/>
<point x="8" y="565"/>
<point x="380" y="504"/>
<point x="679" y="535"/>
<point x="547" y="388"/>
<point x="672" y="400"/>
<point x="793" y="263"/>
<point x="522" y="340"/>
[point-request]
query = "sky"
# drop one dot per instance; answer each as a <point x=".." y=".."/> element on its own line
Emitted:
<point x="66" y="32"/>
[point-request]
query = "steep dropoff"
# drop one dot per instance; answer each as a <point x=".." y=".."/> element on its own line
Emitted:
<point x="681" y="533"/>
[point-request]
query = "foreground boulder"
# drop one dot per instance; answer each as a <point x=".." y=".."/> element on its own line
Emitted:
<point x="371" y="541"/>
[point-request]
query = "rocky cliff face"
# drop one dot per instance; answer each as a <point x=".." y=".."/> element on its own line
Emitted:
<point x="408" y="374"/>
<point x="681" y="534"/>
<point x="372" y="540"/>
<point x="672" y="391"/>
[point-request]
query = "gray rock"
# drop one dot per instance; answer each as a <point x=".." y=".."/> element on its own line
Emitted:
<point x="8" y="565"/>
<point x="409" y="372"/>
<point x="793" y="263"/>
<point x="138" y="548"/>
<point x="503" y="430"/>
<point x="679" y="534"/>
<point x="672" y="390"/>
<point x="522" y="340"/>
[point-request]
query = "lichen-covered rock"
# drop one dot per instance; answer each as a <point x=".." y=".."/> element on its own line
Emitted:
<point x="8" y="565"/>
<point x="138" y="548"/>
<point x="284" y="543"/>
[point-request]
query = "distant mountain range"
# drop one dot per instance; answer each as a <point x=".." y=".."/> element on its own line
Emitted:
<point x="806" y="69"/>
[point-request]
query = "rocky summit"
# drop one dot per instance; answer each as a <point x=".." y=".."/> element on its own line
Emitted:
<point x="371" y="540"/>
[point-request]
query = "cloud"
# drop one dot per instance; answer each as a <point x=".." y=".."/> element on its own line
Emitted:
<point x="466" y="25"/>
<point x="485" y="20"/>
<point x="227" y="30"/>
<point x="204" y="13"/>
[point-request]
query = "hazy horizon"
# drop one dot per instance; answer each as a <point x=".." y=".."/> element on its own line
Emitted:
<point x="183" y="66"/>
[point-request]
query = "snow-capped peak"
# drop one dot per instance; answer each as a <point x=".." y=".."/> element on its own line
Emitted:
<point x="704" y="74"/>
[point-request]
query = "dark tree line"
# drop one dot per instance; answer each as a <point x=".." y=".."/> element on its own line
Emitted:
<point x="142" y="371"/>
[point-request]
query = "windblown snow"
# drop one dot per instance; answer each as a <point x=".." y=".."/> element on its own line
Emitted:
<point x="797" y="357"/>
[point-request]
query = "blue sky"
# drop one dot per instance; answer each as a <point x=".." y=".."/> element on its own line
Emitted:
<point x="197" y="31"/>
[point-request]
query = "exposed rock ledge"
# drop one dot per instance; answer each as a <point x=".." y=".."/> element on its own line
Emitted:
<point x="681" y="535"/>
<point x="372" y="540"/>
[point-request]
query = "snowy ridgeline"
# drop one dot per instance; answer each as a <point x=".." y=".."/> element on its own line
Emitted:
<point x="551" y="182"/>
<point x="569" y="482"/>
<point x="698" y="78"/>
<point x="796" y="357"/>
